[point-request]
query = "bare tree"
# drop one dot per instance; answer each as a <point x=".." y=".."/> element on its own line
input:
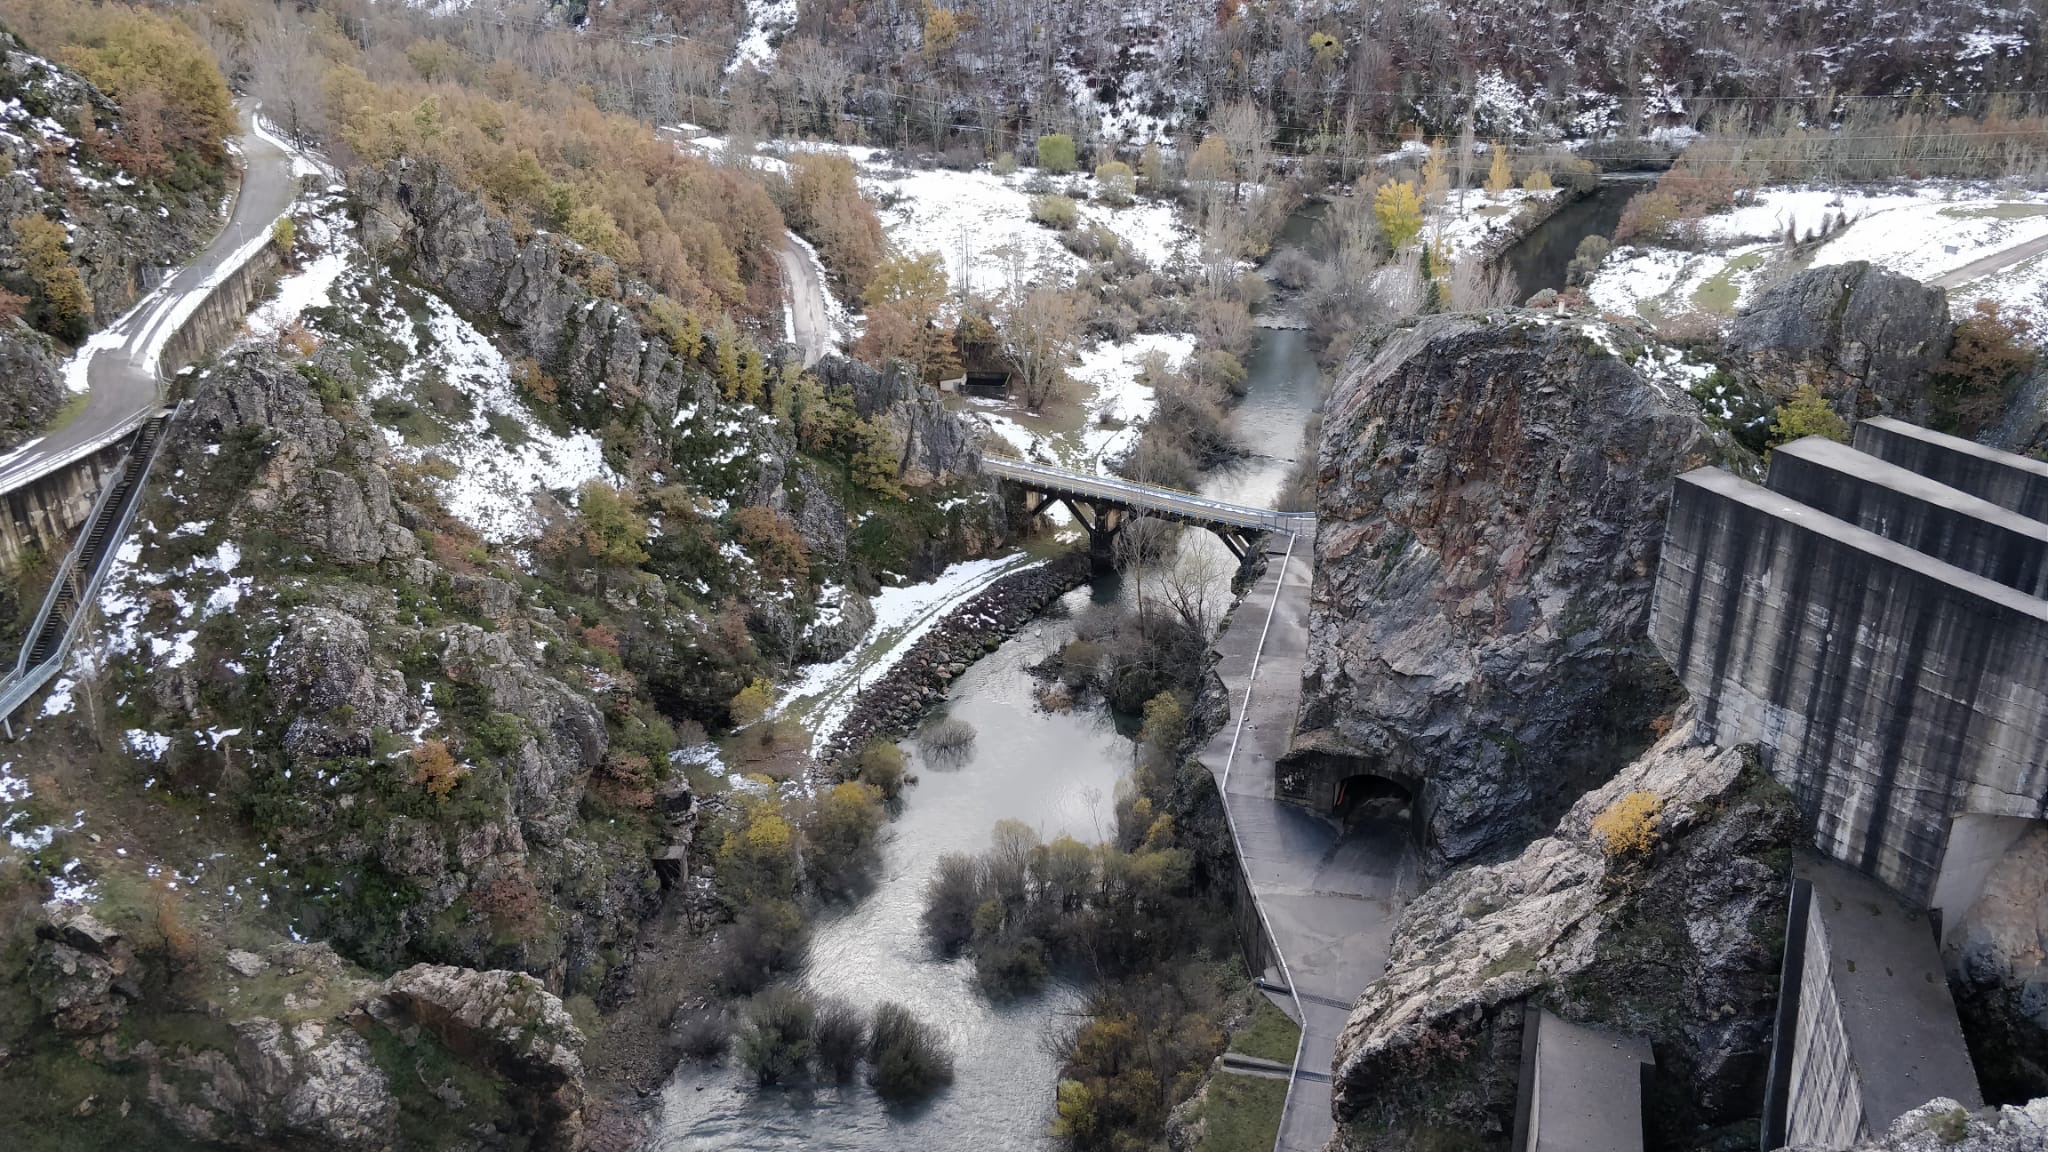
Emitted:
<point x="285" y="74"/>
<point x="1041" y="331"/>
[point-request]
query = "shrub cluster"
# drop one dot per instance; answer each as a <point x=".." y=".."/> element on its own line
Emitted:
<point x="788" y="1037"/>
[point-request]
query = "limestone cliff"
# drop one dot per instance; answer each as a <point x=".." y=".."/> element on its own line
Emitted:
<point x="1492" y="496"/>
<point x="1679" y="943"/>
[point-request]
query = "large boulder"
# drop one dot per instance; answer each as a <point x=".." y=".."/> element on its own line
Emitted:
<point x="1998" y="966"/>
<point x="505" y="1023"/>
<point x="80" y="972"/>
<point x="1677" y="944"/>
<point x="1491" y="502"/>
<point x="1867" y="338"/>
<point x="310" y="1084"/>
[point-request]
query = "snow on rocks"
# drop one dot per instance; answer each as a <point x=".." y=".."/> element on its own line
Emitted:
<point x="825" y="694"/>
<point x="767" y="22"/>
<point x="501" y="455"/>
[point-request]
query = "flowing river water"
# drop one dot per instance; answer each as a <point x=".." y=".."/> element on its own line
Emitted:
<point x="1054" y="771"/>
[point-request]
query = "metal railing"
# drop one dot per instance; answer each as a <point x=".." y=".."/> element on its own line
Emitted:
<point x="1153" y="498"/>
<point x="84" y="569"/>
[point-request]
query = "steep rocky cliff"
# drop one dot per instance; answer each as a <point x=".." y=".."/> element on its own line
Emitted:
<point x="1678" y="943"/>
<point x="1866" y="338"/>
<point x="1491" y="500"/>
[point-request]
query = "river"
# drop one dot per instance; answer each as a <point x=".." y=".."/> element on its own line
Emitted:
<point x="1054" y="771"/>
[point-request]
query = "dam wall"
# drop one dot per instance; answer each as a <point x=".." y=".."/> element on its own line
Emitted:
<point x="1891" y="689"/>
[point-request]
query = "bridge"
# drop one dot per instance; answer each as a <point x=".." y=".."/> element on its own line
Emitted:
<point x="1102" y="504"/>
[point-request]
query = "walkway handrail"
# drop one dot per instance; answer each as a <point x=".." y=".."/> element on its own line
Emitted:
<point x="1148" y="496"/>
<point x="1237" y="843"/>
<point x="25" y="681"/>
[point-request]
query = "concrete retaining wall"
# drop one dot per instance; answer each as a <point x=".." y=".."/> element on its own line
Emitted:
<point x="40" y="516"/>
<point x="220" y="318"/>
<point x="1905" y="507"/>
<point x="1894" y="691"/>
<point x="2006" y="480"/>
<point x="1825" y="1102"/>
<point x="43" y="514"/>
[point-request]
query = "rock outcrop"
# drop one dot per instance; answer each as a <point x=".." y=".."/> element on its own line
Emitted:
<point x="1492" y="498"/>
<point x="1679" y="944"/>
<point x="506" y="1023"/>
<point x="81" y="972"/>
<point x="1867" y="338"/>
<point x="311" y="1084"/>
<point x="1998" y="970"/>
<point x="1942" y="1125"/>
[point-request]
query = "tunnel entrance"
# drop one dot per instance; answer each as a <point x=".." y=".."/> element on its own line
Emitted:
<point x="1365" y="795"/>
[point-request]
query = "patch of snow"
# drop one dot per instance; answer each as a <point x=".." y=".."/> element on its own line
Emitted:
<point x="495" y="482"/>
<point x="824" y="694"/>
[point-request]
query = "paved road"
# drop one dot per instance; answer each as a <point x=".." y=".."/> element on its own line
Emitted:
<point x="1330" y="897"/>
<point x="120" y="363"/>
<point x="1169" y="501"/>
<point x="1996" y="262"/>
<point x="805" y="296"/>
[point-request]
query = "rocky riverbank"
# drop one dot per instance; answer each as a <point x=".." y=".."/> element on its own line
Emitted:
<point x="893" y="704"/>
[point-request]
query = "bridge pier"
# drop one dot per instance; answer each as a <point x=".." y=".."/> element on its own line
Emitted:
<point x="1103" y="522"/>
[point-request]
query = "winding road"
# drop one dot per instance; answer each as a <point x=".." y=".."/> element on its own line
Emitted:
<point x="804" y="295"/>
<point x="1996" y="262"/>
<point x="120" y="363"/>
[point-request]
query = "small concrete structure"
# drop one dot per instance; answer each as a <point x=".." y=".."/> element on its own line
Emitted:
<point x="1582" y="1089"/>
<point x="1867" y="1031"/>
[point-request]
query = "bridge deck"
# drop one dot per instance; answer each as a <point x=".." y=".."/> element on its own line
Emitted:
<point x="1170" y="503"/>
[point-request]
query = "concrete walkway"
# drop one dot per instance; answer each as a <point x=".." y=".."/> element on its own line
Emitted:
<point x="1328" y="897"/>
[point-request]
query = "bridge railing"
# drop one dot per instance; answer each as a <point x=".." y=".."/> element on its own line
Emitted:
<point x="1151" y="497"/>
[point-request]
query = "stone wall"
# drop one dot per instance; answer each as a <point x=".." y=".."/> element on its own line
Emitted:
<point x="1893" y="689"/>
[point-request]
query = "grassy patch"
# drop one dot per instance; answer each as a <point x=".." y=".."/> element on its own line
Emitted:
<point x="507" y="428"/>
<point x="1997" y="212"/>
<point x="1268" y="1035"/>
<point x="71" y="410"/>
<point x="1242" y="1113"/>
<point x="1518" y="958"/>
<point x="1718" y="293"/>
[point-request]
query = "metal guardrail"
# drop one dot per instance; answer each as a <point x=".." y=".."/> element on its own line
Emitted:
<point x="25" y="680"/>
<point x="1147" y="497"/>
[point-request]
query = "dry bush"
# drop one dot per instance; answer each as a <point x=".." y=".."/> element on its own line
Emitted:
<point x="948" y="737"/>
<point x="298" y="340"/>
<point x="435" y="769"/>
<point x="513" y="905"/>
<point x="1628" y="827"/>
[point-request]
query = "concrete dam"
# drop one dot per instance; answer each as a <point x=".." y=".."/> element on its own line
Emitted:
<point x="1873" y="618"/>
